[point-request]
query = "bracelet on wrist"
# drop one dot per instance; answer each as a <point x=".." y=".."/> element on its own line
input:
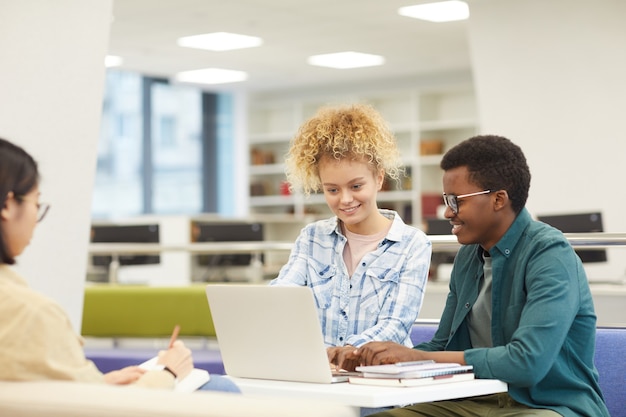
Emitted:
<point x="170" y="371"/>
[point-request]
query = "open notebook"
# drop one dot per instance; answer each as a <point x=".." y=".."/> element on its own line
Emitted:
<point x="193" y="381"/>
<point x="269" y="332"/>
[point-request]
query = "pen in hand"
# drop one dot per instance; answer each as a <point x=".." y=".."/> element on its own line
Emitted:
<point x="174" y="336"/>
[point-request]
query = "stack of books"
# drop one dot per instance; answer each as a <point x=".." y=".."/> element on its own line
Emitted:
<point x="411" y="374"/>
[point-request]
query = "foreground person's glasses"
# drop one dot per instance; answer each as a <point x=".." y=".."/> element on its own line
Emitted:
<point x="42" y="208"/>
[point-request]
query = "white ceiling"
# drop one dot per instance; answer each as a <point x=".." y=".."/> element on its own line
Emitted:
<point x="144" y="34"/>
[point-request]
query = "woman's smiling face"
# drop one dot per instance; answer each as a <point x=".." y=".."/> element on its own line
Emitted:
<point x="350" y="188"/>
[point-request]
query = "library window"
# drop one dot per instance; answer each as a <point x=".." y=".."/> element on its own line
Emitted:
<point x="155" y="142"/>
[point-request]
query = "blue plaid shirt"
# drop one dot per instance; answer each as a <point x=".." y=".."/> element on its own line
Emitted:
<point x="380" y="301"/>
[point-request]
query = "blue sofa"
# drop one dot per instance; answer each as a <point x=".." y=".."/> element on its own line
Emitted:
<point x="111" y="359"/>
<point x="611" y="363"/>
<point x="610" y="359"/>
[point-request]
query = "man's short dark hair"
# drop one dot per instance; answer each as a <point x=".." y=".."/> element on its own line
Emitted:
<point x="494" y="163"/>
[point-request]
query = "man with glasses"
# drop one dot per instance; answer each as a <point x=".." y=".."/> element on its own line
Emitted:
<point x="519" y="307"/>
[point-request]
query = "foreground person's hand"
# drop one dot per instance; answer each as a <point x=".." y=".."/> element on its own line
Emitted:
<point x="177" y="358"/>
<point x="124" y="376"/>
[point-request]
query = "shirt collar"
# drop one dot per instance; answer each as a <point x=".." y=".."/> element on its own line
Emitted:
<point x="395" y="232"/>
<point x="397" y="227"/>
<point x="507" y="243"/>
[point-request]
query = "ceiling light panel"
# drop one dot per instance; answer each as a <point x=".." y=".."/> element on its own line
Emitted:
<point x="443" y="11"/>
<point x="211" y="76"/>
<point x="220" y="41"/>
<point x="346" y="60"/>
<point x="112" y="61"/>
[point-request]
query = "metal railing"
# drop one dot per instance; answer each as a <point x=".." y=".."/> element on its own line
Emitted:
<point x="193" y="248"/>
<point x="577" y="240"/>
<point x="440" y="243"/>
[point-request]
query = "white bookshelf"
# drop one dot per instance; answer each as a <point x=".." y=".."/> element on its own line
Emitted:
<point x="415" y="114"/>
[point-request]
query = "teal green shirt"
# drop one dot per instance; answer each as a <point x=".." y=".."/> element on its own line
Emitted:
<point x="543" y="323"/>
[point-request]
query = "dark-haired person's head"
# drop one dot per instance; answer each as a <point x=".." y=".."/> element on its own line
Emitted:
<point x="493" y="163"/>
<point x="18" y="177"/>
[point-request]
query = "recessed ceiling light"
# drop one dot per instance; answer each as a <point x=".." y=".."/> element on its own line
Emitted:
<point x="344" y="60"/>
<point x="112" y="61"/>
<point x="211" y="76"/>
<point x="443" y="11"/>
<point x="219" y="41"/>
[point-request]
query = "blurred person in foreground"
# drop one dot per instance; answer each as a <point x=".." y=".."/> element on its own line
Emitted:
<point x="36" y="335"/>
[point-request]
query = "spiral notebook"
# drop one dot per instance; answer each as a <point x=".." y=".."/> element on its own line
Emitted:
<point x="405" y="370"/>
<point x="270" y="332"/>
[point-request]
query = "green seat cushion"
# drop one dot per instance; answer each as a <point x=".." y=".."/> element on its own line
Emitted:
<point x="142" y="311"/>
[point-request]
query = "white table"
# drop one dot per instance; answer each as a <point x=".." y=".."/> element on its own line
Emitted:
<point x="359" y="396"/>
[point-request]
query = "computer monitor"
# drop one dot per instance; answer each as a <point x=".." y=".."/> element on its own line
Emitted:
<point x="226" y="232"/>
<point x="438" y="227"/>
<point x="435" y="226"/>
<point x="144" y="233"/>
<point x="579" y="223"/>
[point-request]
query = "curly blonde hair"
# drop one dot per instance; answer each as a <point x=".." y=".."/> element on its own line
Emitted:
<point x="356" y="131"/>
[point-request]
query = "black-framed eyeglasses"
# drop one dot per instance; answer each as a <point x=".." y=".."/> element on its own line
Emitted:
<point x="452" y="200"/>
<point x="42" y="208"/>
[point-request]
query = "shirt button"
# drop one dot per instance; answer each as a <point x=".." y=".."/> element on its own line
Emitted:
<point x="507" y="251"/>
<point x="363" y="264"/>
<point x="467" y="305"/>
<point x="341" y="339"/>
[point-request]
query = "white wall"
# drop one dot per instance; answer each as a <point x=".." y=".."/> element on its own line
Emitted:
<point x="551" y="76"/>
<point x="51" y="82"/>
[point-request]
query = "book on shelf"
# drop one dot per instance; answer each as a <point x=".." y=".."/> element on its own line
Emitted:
<point x="196" y="378"/>
<point x="412" y="382"/>
<point x="421" y="369"/>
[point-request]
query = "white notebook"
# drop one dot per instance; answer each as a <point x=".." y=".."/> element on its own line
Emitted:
<point x="190" y="383"/>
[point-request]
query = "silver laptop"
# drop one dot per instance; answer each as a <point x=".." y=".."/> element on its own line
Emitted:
<point x="268" y="332"/>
